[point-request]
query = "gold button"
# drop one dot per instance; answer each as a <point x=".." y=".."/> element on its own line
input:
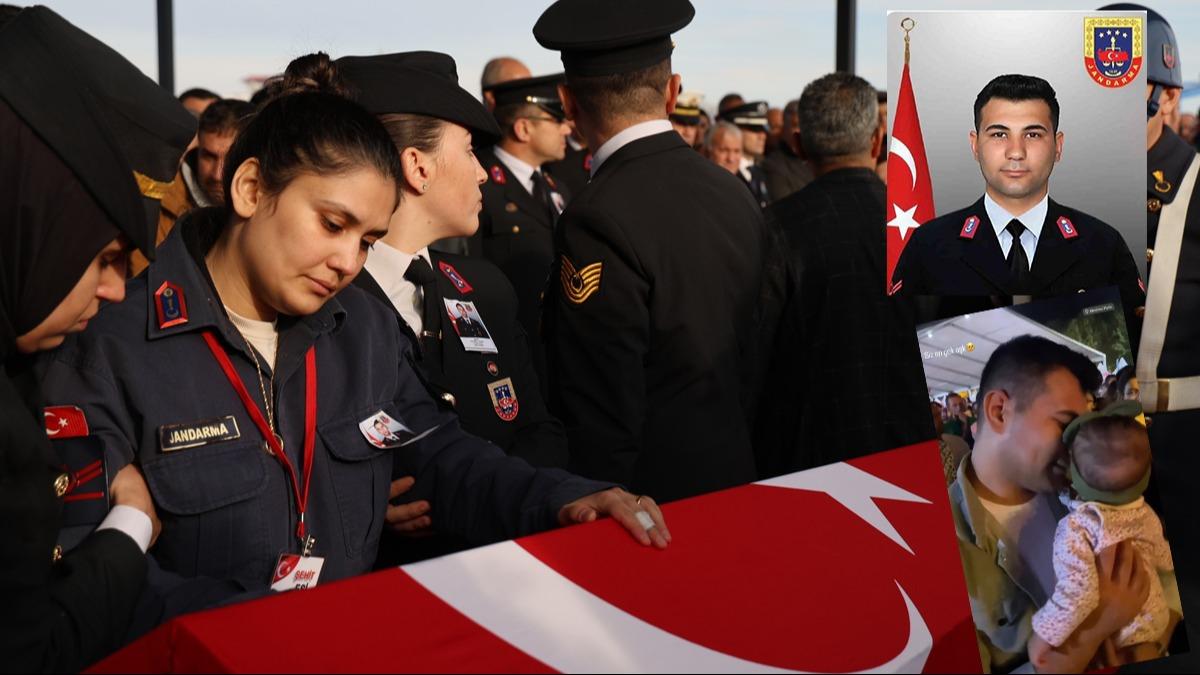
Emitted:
<point x="1149" y="255"/>
<point x="61" y="484"/>
<point x="449" y="398"/>
<point x="516" y="229"/>
<point x="1153" y="204"/>
<point x="510" y="207"/>
<point x="56" y="555"/>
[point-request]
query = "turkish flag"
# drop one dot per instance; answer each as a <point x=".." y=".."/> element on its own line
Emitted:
<point x="909" y="189"/>
<point x="851" y="566"/>
<point x="65" y="421"/>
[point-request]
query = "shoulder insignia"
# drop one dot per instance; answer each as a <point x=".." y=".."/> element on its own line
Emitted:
<point x="498" y="174"/>
<point x="969" y="228"/>
<point x="170" y="305"/>
<point x="579" y="285"/>
<point x="65" y="421"/>
<point x="1066" y="227"/>
<point x="455" y="278"/>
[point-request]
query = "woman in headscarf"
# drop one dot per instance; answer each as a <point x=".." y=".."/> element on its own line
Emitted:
<point x="70" y="213"/>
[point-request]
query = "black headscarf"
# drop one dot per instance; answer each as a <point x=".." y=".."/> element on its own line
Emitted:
<point x="50" y="229"/>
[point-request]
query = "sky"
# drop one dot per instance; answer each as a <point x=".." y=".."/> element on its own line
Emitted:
<point x="761" y="49"/>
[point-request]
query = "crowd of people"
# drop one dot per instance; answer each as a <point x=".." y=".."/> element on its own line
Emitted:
<point x="366" y="317"/>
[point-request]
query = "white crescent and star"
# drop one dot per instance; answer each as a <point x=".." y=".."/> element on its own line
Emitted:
<point x="62" y="423"/>
<point x="903" y="219"/>
<point x="568" y="628"/>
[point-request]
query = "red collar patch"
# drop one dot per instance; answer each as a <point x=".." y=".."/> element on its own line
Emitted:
<point x="587" y="162"/>
<point x="498" y="174"/>
<point x="455" y="278"/>
<point x="1066" y="227"/>
<point x="170" y="305"/>
<point x="969" y="228"/>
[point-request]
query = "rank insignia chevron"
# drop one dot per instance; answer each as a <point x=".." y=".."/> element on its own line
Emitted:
<point x="579" y="285"/>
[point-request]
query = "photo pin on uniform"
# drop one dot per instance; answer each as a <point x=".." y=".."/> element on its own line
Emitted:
<point x="469" y="326"/>
<point x="383" y="432"/>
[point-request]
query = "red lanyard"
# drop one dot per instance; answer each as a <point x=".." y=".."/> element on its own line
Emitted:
<point x="310" y="420"/>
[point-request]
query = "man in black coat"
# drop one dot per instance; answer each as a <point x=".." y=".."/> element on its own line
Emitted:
<point x="521" y="199"/>
<point x="82" y="130"/>
<point x="1059" y="249"/>
<point x="650" y="312"/>
<point x="855" y="383"/>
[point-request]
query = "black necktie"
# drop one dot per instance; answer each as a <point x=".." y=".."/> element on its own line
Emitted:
<point x="541" y="192"/>
<point x="422" y="276"/>
<point x="1018" y="262"/>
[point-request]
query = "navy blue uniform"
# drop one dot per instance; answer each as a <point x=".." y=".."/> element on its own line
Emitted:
<point x="226" y="505"/>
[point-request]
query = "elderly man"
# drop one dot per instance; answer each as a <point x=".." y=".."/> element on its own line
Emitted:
<point x="855" y="383"/>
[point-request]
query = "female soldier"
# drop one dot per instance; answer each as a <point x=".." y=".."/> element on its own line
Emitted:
<point x="69" y="213"/>
<point x="244" y="387"/>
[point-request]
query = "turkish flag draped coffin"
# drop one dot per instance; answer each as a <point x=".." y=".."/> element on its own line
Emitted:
<point x="909" y="188"/>
<point x="847" y="567"/>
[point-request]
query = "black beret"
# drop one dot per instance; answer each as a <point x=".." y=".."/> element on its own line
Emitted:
<point x="420" y="83"/>
<point x="119" y="132"/>
<point x="610" y="37"/>
<point x="540" y="91"/>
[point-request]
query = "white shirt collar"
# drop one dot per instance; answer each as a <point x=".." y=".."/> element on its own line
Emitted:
<point x="387" y="266"/>
<point x="194" y="189"/>
<point x="519" y="168"/>
<point x="1033" y="219"/>
<point x="629" y="135"/>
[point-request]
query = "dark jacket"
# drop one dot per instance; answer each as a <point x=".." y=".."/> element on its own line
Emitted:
<point x="649" y="321"/>
<point x="785" y="172"/>
<point x="854" y="383"/>
<point x="532" y="433"/>
<point x="226" y="504"/>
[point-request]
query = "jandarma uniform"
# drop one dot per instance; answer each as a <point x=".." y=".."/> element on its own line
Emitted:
<point x="158" y="376"/>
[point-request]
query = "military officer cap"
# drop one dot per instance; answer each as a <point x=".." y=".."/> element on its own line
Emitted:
<point x="751" y="116"/>
<point x="611" y="37"/>
<point x="687" y="108"/>
<point x="119" y="132"/>
<point x="1162" y="51"/>
<point x="420" y="83"/>
<point x="540" y="91"/>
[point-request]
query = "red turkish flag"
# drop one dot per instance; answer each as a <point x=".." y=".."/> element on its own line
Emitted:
<point x="909" y="190"/>
<point x="65" y="421"/>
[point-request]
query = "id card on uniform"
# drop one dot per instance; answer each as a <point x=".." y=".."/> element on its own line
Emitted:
<point x="468" y="325"/>
<point x="294" y="571"/>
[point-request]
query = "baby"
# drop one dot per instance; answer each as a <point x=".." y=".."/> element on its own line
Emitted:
<point x="1110" y="468"/>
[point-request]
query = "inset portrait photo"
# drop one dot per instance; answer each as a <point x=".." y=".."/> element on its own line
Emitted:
<point x="469" y="326"/>
<point x="1017" y="153"/>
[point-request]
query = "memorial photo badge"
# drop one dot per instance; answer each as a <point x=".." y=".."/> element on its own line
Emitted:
<point x="469" y="327"/>
<point x="1112" y="50"/>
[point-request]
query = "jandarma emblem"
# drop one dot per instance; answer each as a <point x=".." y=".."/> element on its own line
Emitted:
<point x="1112" y="50"/>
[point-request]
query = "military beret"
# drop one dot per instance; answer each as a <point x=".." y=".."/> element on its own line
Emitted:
<point x="610" y="37"/>
<point x="120" y="133"/>
<point x="420" y="83"/>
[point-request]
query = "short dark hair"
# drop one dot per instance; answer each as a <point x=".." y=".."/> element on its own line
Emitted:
<point x="508" y="114"/>
<point x="1020" y="366"/>
<point x="224" y="116"/>
<point x="881" y="96"/>
<point x="728" y="101"/>
<point x="638" y="91"/>
<point x="1018" y="88"/>
<point x="311" y="127"/>
<point x="197" y="92"/>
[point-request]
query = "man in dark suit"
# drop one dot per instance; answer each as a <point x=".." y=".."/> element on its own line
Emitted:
<point x="650" y="313"/>
<point x="1057" y="249"/>
<point x="855" y="383"/>
<point x="521" y="201"/>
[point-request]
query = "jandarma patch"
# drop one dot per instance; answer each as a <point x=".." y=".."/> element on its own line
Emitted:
<point x="172" y="437"/>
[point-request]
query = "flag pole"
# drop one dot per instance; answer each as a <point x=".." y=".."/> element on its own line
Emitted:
<point x="907" y="29"/>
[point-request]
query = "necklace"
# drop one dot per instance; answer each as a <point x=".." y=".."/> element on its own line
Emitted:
<point x="262" y="387"/>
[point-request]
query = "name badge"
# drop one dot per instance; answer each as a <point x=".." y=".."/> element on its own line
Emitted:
<point x="172" y="437"/>
<point x="294" y="572"/>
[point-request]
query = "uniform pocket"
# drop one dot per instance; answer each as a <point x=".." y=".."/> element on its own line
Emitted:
<point x="360" y="474"/>
<point x="214" y="518"/>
